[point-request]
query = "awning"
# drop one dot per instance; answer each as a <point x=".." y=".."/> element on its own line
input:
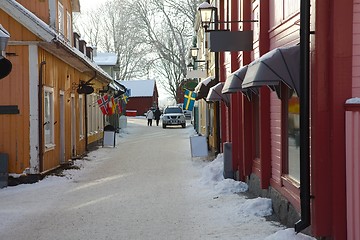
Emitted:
<point x="234" y="81"/>
<point x="203" y="87"/>
<point x="215" y="94"/>
<point x="279" y="65"/>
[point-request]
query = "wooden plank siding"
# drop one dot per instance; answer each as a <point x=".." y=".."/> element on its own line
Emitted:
<point x="353" y="170"/>
<point x="40" y="8"/>
<point x="19" y="136"/>
<point x="283" y="31"/>
<point x="14" y="131"/>
<point x="356" y="50"/>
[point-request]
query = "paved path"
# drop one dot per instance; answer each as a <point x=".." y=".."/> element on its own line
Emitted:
<point x="145" y="188"/>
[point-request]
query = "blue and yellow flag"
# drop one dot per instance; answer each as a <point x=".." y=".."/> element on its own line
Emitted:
<point x="189" y="100"/>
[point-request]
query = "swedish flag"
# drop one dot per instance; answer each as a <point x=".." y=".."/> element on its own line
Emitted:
<point x="189" y="100"/>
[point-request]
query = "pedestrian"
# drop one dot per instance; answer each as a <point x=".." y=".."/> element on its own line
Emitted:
<point x="157" y="115"/>
<point x="149" y="116"/>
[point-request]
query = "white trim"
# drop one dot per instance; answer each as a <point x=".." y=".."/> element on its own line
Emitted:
<point x="50" y="145"/>
<point x="34" y="109"/>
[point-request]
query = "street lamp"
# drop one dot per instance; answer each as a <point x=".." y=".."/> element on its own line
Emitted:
<point x="5" y="65"/>
<point x="207" y="11"/>
<point x="194" y="52"/>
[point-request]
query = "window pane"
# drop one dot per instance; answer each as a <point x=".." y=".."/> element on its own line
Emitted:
<point x="48" y="118"/>
<point x="294" y="137"/>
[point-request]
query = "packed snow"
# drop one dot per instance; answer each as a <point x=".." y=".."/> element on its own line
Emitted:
<point x="226" y="197"/>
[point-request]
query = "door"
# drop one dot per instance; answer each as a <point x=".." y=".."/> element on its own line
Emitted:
<point x="73" y="126"/>
<point x="62" y="127"/>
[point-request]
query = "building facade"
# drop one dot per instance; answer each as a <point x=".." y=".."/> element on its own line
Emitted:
<point x="55" y="117"/>
<point x="263" y="120"/>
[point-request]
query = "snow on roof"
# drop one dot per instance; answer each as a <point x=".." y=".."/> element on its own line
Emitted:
<point x="105" y="59"/>
<point x="140" y="88"/>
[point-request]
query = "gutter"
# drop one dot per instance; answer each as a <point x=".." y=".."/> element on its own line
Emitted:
<point x="305" y="197"/>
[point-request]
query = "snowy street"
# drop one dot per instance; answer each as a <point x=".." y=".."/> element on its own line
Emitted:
<point x="147" y="187"/>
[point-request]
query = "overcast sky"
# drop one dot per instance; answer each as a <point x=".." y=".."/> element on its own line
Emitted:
<point x="88" y="4"/>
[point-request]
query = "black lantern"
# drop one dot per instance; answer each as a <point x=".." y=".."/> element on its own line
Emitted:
<point x="207" y="11"/>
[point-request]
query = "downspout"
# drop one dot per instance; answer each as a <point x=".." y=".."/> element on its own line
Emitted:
<point x="305" y="220"/>
<point x="86" y="116"/>
<point x="40" y="104"/>
<point x="217" y="79"/>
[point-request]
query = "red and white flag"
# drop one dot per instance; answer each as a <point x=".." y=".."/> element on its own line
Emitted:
<point x="104" y="104"/>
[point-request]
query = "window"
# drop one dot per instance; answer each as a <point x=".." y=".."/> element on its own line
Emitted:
<point x="292" y="135"/>
<point x="81" y="117"/>
<point x="48" y="117"/>
<point x="68" y="27"/>
<point x="61" y="18"/>
<point x="256" y="128"/>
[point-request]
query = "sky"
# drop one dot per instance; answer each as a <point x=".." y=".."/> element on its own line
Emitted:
<point x="90" y="4"/>
<point x="231" y="213"/>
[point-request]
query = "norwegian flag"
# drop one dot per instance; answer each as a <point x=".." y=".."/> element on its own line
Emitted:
<point x="104" y="104"/>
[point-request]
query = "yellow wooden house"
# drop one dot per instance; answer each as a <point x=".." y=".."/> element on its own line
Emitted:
<point x="44" y="119"/>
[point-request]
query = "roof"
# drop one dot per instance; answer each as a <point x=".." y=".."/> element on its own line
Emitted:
<point x="51" y="39"/>
<point x="105" y="59"/>
<point x="140" y="88"/>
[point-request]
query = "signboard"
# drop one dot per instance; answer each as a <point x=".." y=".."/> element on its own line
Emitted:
<point x="198" y="73"/>
<point x="198" y="146"/>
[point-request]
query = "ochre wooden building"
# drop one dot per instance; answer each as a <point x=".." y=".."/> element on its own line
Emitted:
<point x="51" y="120"/>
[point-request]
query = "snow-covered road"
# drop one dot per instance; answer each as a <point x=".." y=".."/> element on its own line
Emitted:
<point x="148" y="187"/>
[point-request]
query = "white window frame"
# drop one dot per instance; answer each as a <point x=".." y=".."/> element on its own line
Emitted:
<point x="61" y="18"/>
<point x="81" y="117"/>
<point x="68" y="26"/>
<point x="48" y="126"/>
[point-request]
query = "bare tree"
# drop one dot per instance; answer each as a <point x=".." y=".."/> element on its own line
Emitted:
<point x="89" y="26"/>
<point x="151" y="35"/>
<point x="168" y="26"/>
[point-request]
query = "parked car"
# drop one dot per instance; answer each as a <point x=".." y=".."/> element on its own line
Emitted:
<point x="173" y="115"/>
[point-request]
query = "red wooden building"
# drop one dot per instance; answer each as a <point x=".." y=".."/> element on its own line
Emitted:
<point x="264" y="128"/>
<point x="143" y="94"/>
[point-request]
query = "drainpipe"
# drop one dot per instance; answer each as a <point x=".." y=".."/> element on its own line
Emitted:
<point x="40" y="103"/>
<point x="305" y="220"/>
<point x="86" y="116"/>
<point x="217" y="79"/>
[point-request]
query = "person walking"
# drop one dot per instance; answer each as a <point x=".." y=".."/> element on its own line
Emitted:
<point x="157" y="115"/>
<point x="149" y="116"/>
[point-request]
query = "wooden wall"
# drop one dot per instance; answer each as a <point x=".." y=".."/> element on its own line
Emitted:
<point x="14" y="128"/>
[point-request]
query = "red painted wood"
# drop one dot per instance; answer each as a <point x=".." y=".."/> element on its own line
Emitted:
<point x="353" y="170"/>
<point x="331" y="86"/>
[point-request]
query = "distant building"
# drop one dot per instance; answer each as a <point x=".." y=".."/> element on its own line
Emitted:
<point x="143" y="95"/>
<point x="107" y="61"/>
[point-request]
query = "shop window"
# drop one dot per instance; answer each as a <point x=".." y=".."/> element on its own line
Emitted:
<point x="256" y="128"/>
<point x="291" y="139"/>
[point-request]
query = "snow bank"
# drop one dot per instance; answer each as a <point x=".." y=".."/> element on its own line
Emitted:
<point x="287" y="234"/>
<point x="261" y="207"/>
<point x="212" y="176"/>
